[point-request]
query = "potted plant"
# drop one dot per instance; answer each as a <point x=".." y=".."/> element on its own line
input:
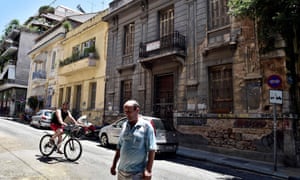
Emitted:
<point x="91" y="51"/>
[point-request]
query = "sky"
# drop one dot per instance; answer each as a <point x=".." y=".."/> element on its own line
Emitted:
<point x="23" y="9"/>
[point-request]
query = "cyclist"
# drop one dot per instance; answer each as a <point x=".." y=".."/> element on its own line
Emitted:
<point x="57" y="123"/>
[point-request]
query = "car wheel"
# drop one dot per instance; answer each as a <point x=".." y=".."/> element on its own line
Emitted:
<point x="104" y="140"/>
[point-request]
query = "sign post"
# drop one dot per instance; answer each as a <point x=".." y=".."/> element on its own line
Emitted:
<point x="275" y="98"/>
<point x="275" y="81"/>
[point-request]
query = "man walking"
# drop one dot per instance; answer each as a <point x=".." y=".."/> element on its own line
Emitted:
<point x="136" y="147"/>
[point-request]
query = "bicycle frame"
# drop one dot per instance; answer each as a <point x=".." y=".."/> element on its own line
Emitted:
<point x="72" y="146"/>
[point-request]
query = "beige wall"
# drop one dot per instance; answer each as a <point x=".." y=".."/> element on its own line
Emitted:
<point x="81" y="72"/>
<point x="41" y="59"/>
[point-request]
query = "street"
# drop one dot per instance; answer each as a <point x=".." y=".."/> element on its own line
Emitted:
<point x="20" y="159"/>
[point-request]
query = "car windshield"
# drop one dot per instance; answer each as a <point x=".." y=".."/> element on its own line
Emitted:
<point x="162" y="125"/>
<point x="48" y="113"/>
<point x="120" y="123"/>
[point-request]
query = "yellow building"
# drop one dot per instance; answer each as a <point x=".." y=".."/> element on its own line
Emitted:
<point x="81" y="71"/>
<point x="46" y="50"/>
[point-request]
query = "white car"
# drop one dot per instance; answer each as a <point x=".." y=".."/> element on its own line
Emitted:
<point x="42" y="118"/>
<point x="166" y="136"/>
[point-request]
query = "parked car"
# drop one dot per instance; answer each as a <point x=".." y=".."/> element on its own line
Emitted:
<point x="42" y="118"/>
<point x="166" y="136"/>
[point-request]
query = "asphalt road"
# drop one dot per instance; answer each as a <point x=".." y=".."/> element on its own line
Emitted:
<point x="20" y="159"/>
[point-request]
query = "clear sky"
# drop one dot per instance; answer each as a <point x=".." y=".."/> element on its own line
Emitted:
<point x="23" y="9"/>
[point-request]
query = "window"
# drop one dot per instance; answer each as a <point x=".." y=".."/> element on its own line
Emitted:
<point x="218" y="16"/>
<point x="253" y="94"/>
<point x="77" y="97"/>
<point x="220" y="86"/>
<point x="114" y="44"/>
<point x="87" y="44"/>
<point x="166" y="22"/>
<point x="126" y="89"/>
<point x="60" y="98"/>
<point x="68" y="94"/>
<point x="93" y="90"/>
<point x="53" y="60"/>
<point x="128" y="39"/>
<point x="76" y="51"/>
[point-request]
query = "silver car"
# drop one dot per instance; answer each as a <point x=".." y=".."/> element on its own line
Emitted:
<point x="42" y="118"/>
<point x="166" y="137"/>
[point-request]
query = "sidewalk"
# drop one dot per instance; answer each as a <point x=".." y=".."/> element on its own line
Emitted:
<point x="241" y="163"/>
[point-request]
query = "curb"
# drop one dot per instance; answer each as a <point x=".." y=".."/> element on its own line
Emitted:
<point x="234" y="162"/>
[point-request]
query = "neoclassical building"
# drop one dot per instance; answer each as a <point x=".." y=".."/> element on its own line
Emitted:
<point x="72" y="58"/>
<point x="190" y="63"/>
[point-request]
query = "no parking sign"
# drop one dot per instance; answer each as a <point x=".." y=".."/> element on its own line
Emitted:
<point x="274" y="81"/>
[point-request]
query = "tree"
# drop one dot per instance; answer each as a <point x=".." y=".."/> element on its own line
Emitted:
<point x="275" y="17"/>
<point x="13" y="24"/>
<point x="45" y="10"/>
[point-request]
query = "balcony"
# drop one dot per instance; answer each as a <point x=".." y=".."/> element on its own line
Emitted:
<point x="9" y="69"/>
<point x="41" y="74"/>
<point x="9" y="51"/>
<point x="127" y="63"/>
<point x="69" y="66"/>
<point x="13" y="34"/>
<point x="168" y="48"/>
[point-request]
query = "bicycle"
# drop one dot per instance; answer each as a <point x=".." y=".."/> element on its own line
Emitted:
<point x="72" y="146"/>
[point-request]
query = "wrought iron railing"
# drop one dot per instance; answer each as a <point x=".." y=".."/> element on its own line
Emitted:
<point x="172" y="42"/>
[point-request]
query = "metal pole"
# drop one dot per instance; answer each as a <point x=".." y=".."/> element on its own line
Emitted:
<point x="275" y="138"/>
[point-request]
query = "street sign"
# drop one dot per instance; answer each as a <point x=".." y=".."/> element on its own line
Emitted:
<point x="275" y="96"/>
<point x="274" y="81"/>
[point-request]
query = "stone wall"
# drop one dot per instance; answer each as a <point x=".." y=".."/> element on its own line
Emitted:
<point x="233" y="133"/>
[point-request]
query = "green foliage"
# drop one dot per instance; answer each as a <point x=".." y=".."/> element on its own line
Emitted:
<point x="29" y="20"/>
<point x="274" y="17"/>
<point x="241" y="8"/>
<point x="67" y="25"/>
<point x="46" y="9"/>
<point x="13" y="24"/>
<point x="91" y="49"/>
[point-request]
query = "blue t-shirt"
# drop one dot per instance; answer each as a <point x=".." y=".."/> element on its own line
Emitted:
<point x="134" y="144"/>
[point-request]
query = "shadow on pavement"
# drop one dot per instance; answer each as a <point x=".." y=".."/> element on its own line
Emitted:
<point x="53" y="160"/>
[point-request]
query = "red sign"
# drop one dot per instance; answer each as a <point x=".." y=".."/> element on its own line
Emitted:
<point x="274" y="81"/>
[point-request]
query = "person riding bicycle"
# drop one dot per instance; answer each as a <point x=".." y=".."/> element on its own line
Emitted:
<point x="57" y="124"/>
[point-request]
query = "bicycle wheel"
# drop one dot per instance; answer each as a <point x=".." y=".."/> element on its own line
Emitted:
<point x="72" y="149"/>
<point x="46" y="148"/>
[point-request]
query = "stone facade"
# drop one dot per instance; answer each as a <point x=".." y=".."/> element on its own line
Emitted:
<point x="206" y="77"/>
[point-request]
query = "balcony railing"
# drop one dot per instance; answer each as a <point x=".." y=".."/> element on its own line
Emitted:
<point x="91" y="54"/>
<point x="39" y="75"/>
<point x="127" y="59"/>
<point x="77" y="66"/>
<point x="170" y="43"/>
<point x="9" y="51"/>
